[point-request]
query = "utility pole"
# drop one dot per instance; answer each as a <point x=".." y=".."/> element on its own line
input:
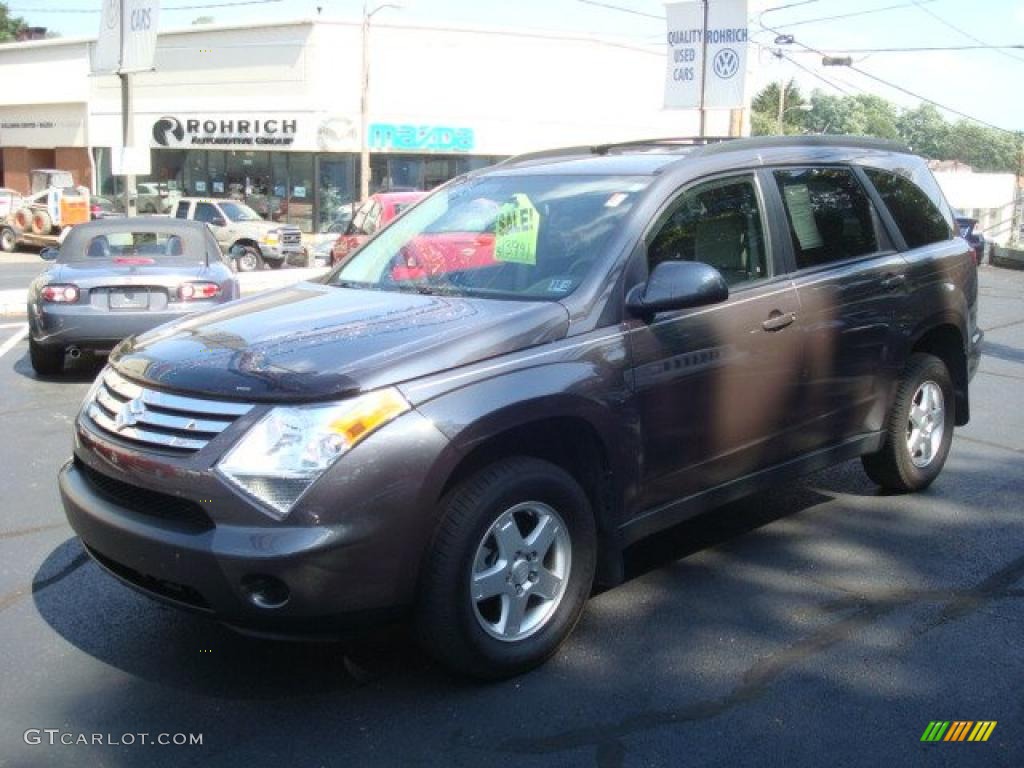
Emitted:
<point x="703" y="65"/>
<point x="127" y="122"/>
<point x="364" y="139"/>
<point x="1018" y="196"/>
<point x="782" y="107"/>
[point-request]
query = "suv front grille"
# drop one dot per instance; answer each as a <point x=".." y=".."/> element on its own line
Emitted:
<point x="291" y="237"/>
<point x="187" y="514"/>
<point x="136" y="415"/>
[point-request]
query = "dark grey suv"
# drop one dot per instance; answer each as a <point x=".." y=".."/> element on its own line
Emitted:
<point x="530" y="370"/>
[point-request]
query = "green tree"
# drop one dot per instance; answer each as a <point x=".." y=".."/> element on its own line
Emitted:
<point x="10" y="26"/>
<point x="764" y="116"/>
<point x="924" y="130"/>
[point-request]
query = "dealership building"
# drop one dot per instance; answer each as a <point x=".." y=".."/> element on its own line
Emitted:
<point x="271" y="113"/>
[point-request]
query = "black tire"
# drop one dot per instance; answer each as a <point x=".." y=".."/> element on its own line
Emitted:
<point x="247" y="259"/>
<point x="149" y="208"/>
<point x="893" y="467"/>
<point x="8" y="240"/>
<point x="446" y="616"/>
<point x="42" y="224"/>
<point x="46" y="361"/>
<point x="274" y="263"/>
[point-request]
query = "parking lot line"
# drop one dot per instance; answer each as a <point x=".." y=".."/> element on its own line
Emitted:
<point x="18" y="336"/>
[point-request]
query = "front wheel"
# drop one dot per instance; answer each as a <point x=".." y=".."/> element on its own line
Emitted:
<point x="247" y="259"/>
<point x="509" y="571"/>
<point x="920" y="429"/>
<point x="8" y="240"/>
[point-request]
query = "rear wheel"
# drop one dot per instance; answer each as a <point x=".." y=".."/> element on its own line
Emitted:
<point x="509" y="571"/>
<point x="8" y="240"/>
<point x="920" y="429"/>
<point x="23" y="219"/>
<point x="42" y="224"/>
<point x="48" y="361"/>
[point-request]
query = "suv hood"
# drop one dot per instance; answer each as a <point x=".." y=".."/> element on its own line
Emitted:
<point x="315" y="342"/>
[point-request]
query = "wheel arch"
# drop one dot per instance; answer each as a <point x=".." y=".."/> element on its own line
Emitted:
<point x="565" y="437"/>
<point x="944" y="338"/>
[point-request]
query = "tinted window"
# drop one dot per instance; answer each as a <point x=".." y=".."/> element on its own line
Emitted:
<point x="182" y="212"/>
<point x="206" y="212"/>
<point x="718" y="223"/>
<point x="916" y="215"/>
<point x="137" y="247"/>
<point x="830" y="216"/>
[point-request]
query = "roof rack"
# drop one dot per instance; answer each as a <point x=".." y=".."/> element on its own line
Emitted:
<point x="672" y="141"/>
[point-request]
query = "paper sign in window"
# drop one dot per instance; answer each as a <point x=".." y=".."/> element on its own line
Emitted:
<point x="801" y="214"/>
<point x="515" y="231"/>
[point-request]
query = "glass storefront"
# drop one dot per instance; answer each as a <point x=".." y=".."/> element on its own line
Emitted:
<point x="309" y="190"/>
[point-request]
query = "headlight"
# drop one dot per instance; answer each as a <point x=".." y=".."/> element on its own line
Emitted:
<point x="287" y="450"/>
<point x="270" y="238"/>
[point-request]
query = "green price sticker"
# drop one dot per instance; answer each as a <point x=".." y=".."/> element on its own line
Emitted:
<point x="515" y="231"/>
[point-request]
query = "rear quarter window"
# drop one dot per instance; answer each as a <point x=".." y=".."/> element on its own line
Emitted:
<point x="920" y="221"/>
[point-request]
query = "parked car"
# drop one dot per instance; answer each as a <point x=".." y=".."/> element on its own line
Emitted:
<point x="375" y="213"/>
<point x="249" y="241"/>
<point x="115" y="277"/>
<point x="661" y="329"/>
<point x="971" y="232"/>
<point x="156" y="197"/>
<point x="104" y="208"/>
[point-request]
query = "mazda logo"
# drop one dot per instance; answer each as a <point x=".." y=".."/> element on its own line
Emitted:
<point x="726" y="63"/>
<point x="167" y="126"/>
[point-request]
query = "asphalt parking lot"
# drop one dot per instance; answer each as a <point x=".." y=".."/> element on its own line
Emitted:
<point x="819" y="624"/>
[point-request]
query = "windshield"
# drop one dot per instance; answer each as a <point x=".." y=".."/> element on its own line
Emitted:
<point x="524" y="237"/>
<point x="133" y="248"/>
<point x="239" y="212"/>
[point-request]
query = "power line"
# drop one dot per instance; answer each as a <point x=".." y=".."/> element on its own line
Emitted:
<point x="921" y="49"/>
<point x="203" y="7"/>
<point x="892" y="85"/>
<point x="867" y="12"/>
<point x="964" y="33"/>
<point x="611" y="7"/>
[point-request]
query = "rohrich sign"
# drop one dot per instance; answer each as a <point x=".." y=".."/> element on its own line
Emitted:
<point x="708" y="60"/>
<point x="172" y="132"/>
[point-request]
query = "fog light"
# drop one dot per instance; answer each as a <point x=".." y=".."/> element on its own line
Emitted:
<point x="265" y="591"/>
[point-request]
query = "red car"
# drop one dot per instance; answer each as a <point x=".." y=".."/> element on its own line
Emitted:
<point x="376" y="212"/>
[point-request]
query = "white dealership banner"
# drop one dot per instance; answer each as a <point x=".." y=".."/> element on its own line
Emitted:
<point x="127" y="39"/>
<point x="720" y="48"/>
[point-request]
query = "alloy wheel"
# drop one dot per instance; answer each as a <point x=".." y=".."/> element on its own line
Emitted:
<point x="926" y="424"/>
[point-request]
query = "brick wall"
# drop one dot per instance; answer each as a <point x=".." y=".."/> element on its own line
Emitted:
<point x="18" y="161"/>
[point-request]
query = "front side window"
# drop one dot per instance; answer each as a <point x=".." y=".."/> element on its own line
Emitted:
<point x="207" y="213"/>
<point x="182" y="210"/>
<point x="717" y="223"/>
<point x="915" y="214"/>
<point x="830" y="215"/>
<point x="501" y="236"/>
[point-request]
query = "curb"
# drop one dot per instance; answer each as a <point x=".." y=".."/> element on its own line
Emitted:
<point x="12" y="301"/>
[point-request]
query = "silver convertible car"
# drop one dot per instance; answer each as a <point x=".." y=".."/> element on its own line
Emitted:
<point x="113" y="278"/>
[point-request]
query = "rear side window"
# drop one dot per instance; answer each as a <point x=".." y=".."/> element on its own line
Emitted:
<point x="182" y="212"/>
<point x="916" y="215"/>
<point x="717" y="223"/>
<point x="830" y="215"/>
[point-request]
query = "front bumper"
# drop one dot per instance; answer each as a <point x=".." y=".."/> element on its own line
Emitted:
<point x="351" y="552"/>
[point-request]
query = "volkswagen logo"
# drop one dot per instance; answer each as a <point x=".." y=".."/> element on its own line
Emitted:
<point x="128" y="414"/>
<point x="167" y="126"/>
<point x="726" y="63"/>
<point x="112" y="13"/>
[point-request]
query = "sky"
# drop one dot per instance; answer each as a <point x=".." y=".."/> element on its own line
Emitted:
<point x="980" y="83"/>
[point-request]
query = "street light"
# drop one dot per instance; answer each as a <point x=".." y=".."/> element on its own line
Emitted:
<point x="364" y="150"/>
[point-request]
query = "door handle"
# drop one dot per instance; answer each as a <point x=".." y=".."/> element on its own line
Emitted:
<point x="894" y="282"/>
<point x="777" y="320"/>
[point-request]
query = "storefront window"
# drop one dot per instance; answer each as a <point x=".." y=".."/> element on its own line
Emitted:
<point x="336" y="190"/>
<point x="301" y="190"/>
<point x="216" y="170"/>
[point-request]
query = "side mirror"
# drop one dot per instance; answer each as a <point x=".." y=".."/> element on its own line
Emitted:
<point x="218" y="221"/>
<point x="49" y="253"/>
<point x="677" y="285"/>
